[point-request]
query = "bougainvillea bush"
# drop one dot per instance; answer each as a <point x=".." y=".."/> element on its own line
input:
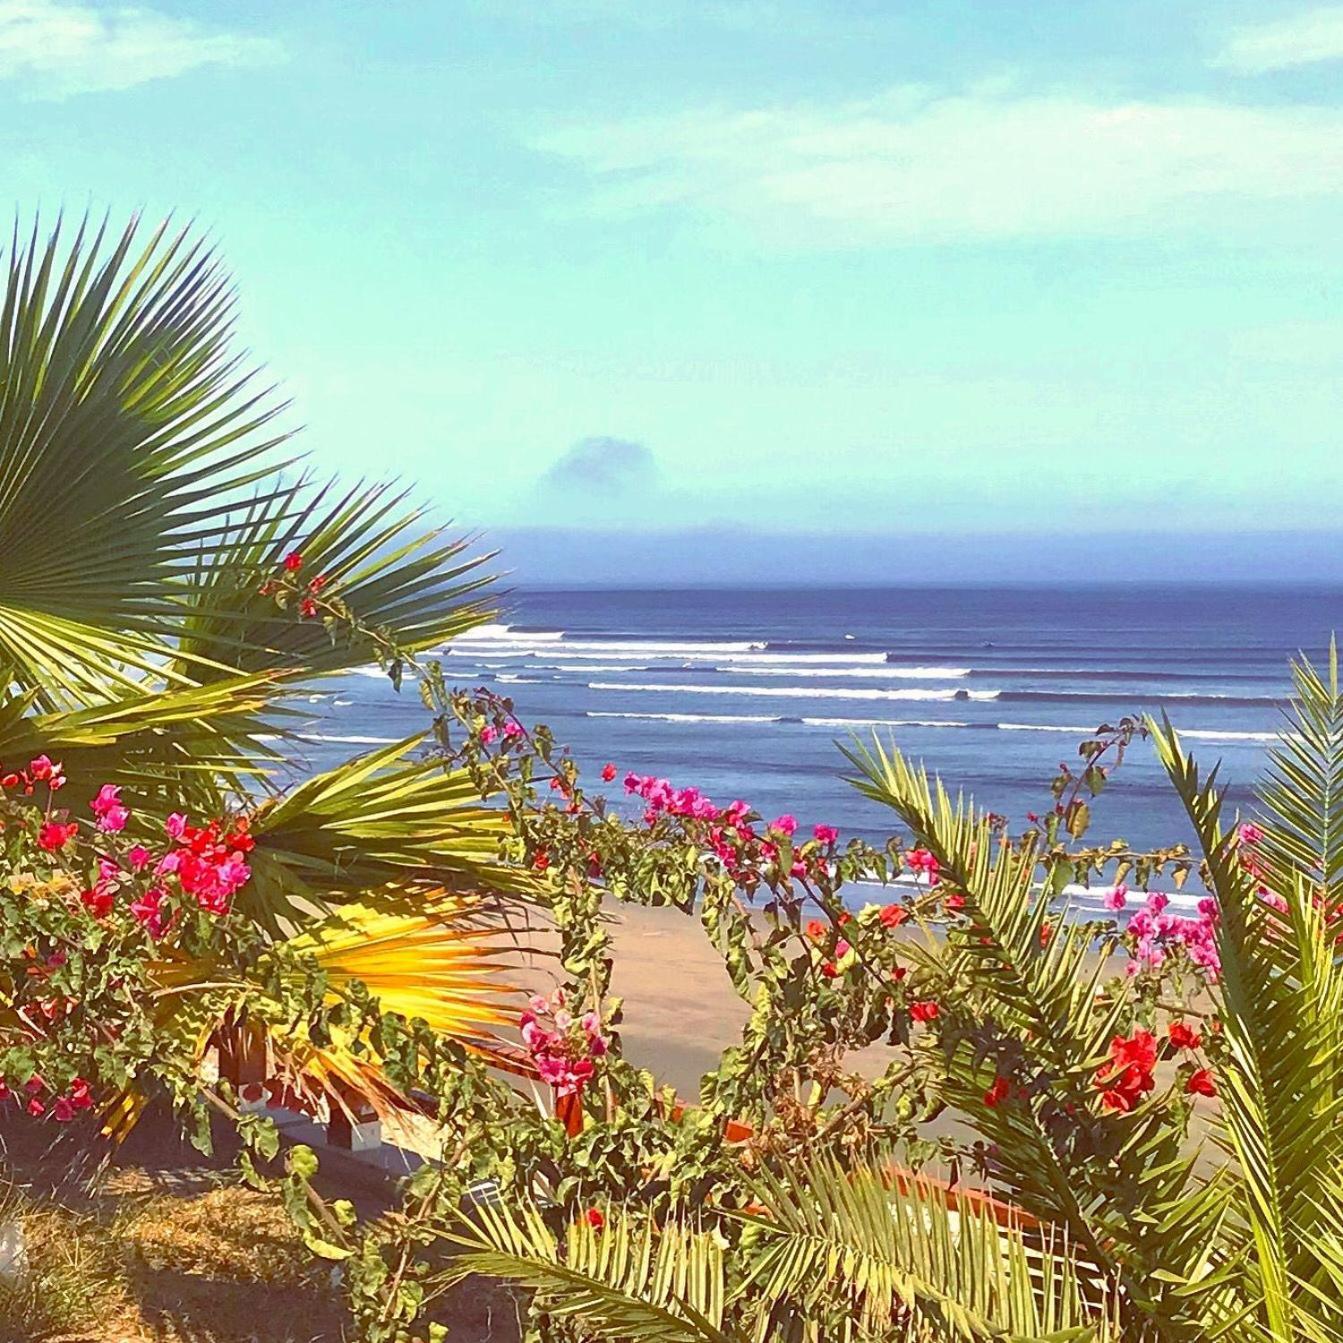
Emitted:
<point x="960" y="1108"/>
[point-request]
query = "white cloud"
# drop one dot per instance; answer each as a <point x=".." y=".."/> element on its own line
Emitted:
<point x="920" y="166"/>
<point x="1304" y="39"/>
<point x="56" y="48"/>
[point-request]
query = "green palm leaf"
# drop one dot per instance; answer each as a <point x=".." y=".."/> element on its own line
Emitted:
<point x="125" y="427"/>
<point x="1281" y="992"/>
<point x="630" y="1280"/>
<point x="386" y="824"/>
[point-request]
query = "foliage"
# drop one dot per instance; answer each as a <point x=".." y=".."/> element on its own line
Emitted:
<point x="1138" y="1117"/>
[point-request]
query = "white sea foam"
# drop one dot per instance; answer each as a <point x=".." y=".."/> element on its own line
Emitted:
<point x="884" y="722"/>
<point x="748" y="667"/>
<point x="689" y="717"/>
<point x="647" y="648"/>
<point x="794" y="692"/>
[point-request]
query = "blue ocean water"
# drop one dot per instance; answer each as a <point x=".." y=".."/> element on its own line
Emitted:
<point x="745" y="693"/>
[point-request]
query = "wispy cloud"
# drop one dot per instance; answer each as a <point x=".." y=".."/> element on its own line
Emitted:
<point x="55" y="49"/>
<point x="1304" y="39"/>
<point x="916" y="165"/>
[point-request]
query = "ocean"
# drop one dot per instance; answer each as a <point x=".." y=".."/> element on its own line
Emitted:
<point x="746" y="693"/>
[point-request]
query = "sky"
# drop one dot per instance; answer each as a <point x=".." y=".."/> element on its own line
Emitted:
<point x="753" y="288"/>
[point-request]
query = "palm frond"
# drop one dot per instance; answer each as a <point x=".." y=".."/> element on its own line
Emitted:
<point x="943" y="1267"/>
<point x="125" y="427"/>
<point x="383" y="823"/>
<point x="421" y="588"/>
<point x="1302" y="794"/>
<point x="1281" y="991"/>
<point x="629" y="1280"/>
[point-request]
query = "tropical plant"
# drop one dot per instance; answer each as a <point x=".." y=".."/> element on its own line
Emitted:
<point x="1159" y="1152"/>
<point x="167" y="586"/>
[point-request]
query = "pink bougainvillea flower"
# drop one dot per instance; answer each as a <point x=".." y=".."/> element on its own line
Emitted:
<point x="1116" y="899"/>
<point x="785" y="825"/>
<point x="148" y="910"/>
<point x="512" y="730"/>
<point x="176" y="825"/>
<point x="108" y="808"/>
<point x="138" y="857"/>
<point x="488" y="734"/>
<point x="825" y="834"/>
<point x="1251" y="833"/>
<point x="923" y="863"/>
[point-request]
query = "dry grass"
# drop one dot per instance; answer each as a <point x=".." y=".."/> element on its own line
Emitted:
<point x="222" y="1266"/>
<point x="189" y="1256"/>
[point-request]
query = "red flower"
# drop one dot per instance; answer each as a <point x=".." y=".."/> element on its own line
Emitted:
<point x="1129" y="1072"/>
<point x="1046" y="932"/>
<point x="307" y="608"/>
<point x="293" y="561"/>
<point x="594" y="1218"/>
<point x="608" y="772"/>
<point x="1183" y="1036"/>
<point x="36" y="1108"/>
<point x="10" y="780"/>
<point x="52" y="835"/>
<point x="317" y="583"/>
<point x="267" y="589"/>
<point x="541" y="861"/>
<point x="97" y="901"/>
<point x="1200" y="1083"/>
<point x="829" y="969"/>
<point x="955" y="901"/>
<point x="925" y="1010"/>
<point x="892" y="916"/>
<point x="816" y="930"/>
<point x="997" y="1093"/>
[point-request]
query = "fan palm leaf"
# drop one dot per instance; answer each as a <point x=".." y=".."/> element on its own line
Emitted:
<point x="125" y="427"/>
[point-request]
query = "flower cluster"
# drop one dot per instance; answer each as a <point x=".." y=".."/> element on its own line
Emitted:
<point x="288" y="585"/>
<point x="562" y="1048"/>
<point x="1152" y="933"/>
<point x="38" y="1099"/>
<point x="208" y="860"/>
<point x="1127" y="1076"/>
<point x="734" y="832"/>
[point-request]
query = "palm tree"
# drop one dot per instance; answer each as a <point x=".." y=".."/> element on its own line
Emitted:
<point x="144" y="492"/>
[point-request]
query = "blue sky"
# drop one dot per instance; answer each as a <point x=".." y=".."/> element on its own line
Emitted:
<point x="972" y="267"/>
